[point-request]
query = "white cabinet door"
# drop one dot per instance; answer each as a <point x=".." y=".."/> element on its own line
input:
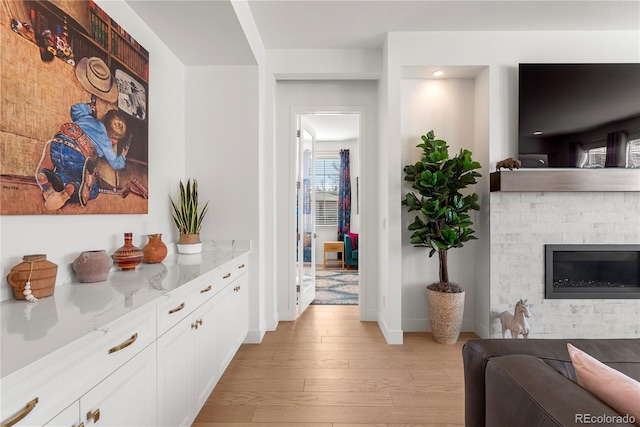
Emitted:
<point x="70" y="417"/>
<point x="127" y="397"/>
<point x="187" y="366"/>
<point x="205" y="357"/>
<point x="233" y="318"/>
<point x="174" y="382"/>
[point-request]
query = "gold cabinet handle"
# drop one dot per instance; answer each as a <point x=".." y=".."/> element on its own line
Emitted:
<point x="196" y="324"/>
<point x="199" y="322"/>
<point x="226" y="276"/>
<point x="26" y="411"/>
<point x="236" y="289"/>
<point x="241" y="266"/>
<point x="95" y="415"/>
<point x="79" y="425"/>
<point x="207" y="289"/>
<point x="177" y="309"/>
<point x="119" y="347"/>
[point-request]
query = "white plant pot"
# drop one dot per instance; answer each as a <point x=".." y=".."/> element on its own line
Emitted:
<point x="191" y="248"/>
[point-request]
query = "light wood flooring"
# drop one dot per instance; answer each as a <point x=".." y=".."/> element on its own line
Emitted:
<point x="328" y="369"/>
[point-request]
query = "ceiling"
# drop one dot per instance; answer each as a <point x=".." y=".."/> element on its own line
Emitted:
<point x="335" y="127"/>
<point x="207" y="32"/>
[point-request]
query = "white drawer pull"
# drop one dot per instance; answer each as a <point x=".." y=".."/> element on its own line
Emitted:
<point x="207" y="289"/>
<point x="177" y="309"/>
<point x="124" y="345"/>
<point x="26" y="411"/>
<point x="226" y="276"/>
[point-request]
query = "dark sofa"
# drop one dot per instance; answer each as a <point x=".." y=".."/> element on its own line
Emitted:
<point x="533" y="383"/>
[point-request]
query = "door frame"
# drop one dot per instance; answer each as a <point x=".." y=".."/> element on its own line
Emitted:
<point x="293" y="120"/>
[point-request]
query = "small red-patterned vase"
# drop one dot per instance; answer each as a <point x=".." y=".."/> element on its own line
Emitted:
<point x="155" y="251"/>
<point x="128" y="257"/>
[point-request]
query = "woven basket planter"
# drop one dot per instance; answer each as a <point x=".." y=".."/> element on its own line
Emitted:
<point x="446" y="311"/>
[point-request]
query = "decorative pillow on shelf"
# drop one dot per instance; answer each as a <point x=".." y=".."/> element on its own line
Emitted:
<point x="354" y="240"/>
<point x="614" y="388"/>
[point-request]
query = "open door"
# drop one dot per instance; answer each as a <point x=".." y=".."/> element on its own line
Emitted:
<point x="305" y="208"/>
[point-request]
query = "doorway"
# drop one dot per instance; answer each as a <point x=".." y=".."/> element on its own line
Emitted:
<point x="327" y="208"/>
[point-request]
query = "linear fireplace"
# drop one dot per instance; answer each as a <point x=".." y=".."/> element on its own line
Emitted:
<point x="592" y="271"/>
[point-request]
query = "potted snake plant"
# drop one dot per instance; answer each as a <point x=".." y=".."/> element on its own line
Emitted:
<point x="188" y="217"/>
<point x="442" y="223"/>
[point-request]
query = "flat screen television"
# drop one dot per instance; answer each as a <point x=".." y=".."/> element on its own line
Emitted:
<point x="578" y="115"/>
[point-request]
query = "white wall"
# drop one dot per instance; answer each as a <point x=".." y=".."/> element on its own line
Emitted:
<point x="447" y="107"/>
<point x="498" y="124"/>
<point x="222" y="154"/>
<point x="352" y="95"/>
<point x="63" y="237"/>
<point x="482" y="218"/>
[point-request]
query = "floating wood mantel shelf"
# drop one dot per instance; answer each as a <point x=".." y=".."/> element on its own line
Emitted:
<point x="607" y="179"/>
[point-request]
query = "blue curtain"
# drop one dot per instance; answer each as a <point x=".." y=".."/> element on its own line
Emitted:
<point x="344" y="196"/>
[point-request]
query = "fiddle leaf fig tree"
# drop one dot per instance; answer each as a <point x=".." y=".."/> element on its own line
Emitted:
<point x="443" y="220"/>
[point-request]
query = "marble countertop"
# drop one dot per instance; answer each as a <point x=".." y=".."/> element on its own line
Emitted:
<point x="30" y="331"/>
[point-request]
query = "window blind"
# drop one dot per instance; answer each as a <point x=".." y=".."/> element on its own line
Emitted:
<point x="327" y="186"/>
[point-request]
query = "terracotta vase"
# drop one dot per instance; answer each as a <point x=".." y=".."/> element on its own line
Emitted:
<point x="128" y="257"/>
<point x="38" y="271"/>
<point x="155" y="251"/>
<point x="92" y="266"/>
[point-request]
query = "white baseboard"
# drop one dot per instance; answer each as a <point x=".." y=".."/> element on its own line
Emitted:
<point x="391" y="336"/>
<point x="254" y="336"/>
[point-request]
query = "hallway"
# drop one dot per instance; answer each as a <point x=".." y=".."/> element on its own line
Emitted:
<point x="329" y="369"/>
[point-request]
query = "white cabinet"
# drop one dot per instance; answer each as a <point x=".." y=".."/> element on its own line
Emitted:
<point x="127" y="397"/>
<point x="68" y="417"/>
<point x="68" y="377"/>
<point x="154" y="365"/>
<point x="233" y="312"/>
<point x="187" y="368"/>
<point x="205" y="359"/>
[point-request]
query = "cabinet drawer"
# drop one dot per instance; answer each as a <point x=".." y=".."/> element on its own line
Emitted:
<point x="333" y="247"/>
<point x="123" y="342"/>
<point x="179" y="306"/>
<point x="233" y="269"/>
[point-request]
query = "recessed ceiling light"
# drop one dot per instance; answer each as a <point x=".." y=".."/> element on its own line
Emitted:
<point x="538" y="132"/>
<point x="438" y="73"/>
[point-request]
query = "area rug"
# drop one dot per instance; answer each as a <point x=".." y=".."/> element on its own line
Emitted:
<point x="336" y="287"/>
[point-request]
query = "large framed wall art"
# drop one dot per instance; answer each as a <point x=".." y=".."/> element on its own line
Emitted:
<point x="73" y="112"/>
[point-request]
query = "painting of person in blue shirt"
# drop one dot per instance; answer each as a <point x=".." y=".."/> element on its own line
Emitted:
<point x="67" y="170"/>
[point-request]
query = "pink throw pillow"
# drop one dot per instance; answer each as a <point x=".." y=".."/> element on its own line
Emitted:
<point x="614" y="388"/>
<point x="353" y="237"/>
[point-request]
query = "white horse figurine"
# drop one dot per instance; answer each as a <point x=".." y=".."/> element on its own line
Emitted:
<point x="517" y="322"/>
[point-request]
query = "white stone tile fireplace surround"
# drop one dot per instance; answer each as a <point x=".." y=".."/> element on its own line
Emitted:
<point x="523" y="222"/>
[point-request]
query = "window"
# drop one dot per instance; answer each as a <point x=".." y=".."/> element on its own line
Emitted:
<point x="594" y="158"/>
<point x="327" y="186"/>
<point x="633" y="153"/>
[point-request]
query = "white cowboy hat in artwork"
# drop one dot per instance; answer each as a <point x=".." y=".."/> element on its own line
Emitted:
<point x="94" y="75"/>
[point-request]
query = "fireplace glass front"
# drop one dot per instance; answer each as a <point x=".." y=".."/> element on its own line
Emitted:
<point x="592" y="271"/>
